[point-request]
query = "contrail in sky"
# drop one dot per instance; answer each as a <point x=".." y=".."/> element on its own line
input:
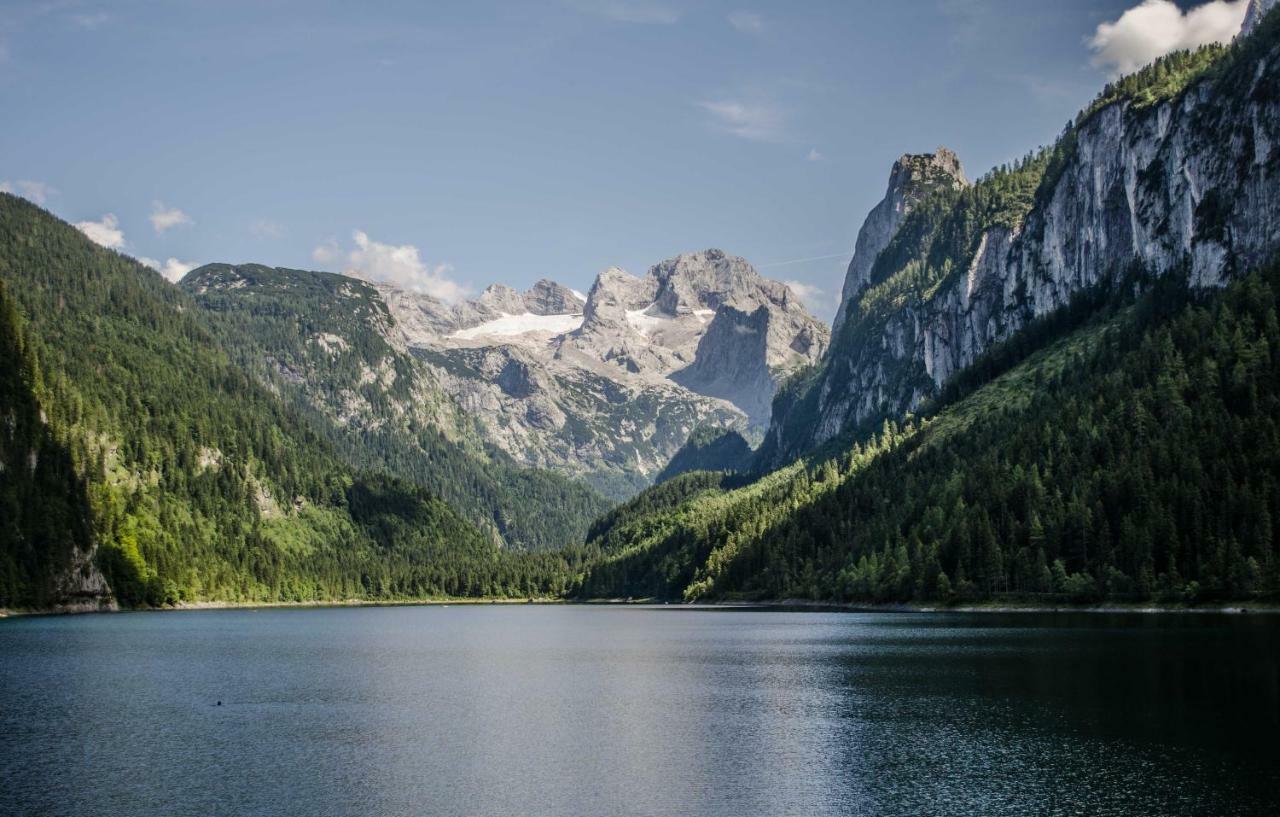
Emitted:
<point x="802" y="260"/>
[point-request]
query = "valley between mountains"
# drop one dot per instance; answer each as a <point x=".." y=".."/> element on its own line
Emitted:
<point x="1056" y="383"/>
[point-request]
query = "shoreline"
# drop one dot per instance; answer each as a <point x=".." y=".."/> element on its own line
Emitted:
<point x="195" y="606"/>
<point x="798" y="605"/>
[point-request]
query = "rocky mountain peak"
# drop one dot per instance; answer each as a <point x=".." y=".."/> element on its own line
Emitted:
<point x="501" y="298"/>
<point x="546" y="297"/>
<point x="913" y="177"/>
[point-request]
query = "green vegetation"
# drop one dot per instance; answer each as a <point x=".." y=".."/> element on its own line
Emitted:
<point x="1158" y="82"/>
<point x="709" y="449"/>
<point x="318" y="340"/>
<point x="194" y="481"/>
<point x="1137" y="458"/>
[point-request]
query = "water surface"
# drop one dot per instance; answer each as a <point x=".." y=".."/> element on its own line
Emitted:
<point x="620" y="711"/>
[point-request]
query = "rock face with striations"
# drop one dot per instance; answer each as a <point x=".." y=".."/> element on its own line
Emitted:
<point x="609" y="386"/>
<point x="914" y="176"/>
<point x="1254" y="14"/>
<point x="1187" y="185"/>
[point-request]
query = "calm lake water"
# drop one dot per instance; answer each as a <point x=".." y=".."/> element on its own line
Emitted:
<point x="618" y="711"/>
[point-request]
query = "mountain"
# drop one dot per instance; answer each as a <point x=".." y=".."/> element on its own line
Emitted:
<point x="1060" y="382"/>
<point x="1107" y="465"/>
<point x="1142" y="179"/>
<point x="914" y="177"/>
<point x="709" y="449"/>
<point x="608" y="386"/>
<point x="1254" y="15"/>
<point x="328" y="345"/>
<point x="140" y="465"/>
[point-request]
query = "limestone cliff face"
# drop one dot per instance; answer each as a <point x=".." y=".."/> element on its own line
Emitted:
<point x="1253" y="16"/>
<point x="609" y="387"/>
<point x="1188" y="184"/>
<point x="913" y="178"/>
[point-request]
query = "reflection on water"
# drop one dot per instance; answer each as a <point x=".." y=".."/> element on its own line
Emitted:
<point x="590" y="711"/>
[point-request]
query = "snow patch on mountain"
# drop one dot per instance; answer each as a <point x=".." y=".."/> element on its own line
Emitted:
<point x="525" y="324"/>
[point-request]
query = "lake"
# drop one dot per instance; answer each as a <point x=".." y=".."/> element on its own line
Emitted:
<point x="575" y="710"/>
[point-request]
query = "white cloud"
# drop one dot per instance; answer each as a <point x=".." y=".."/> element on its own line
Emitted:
<point x="748" y="22"/>
<point x="32" y="191"/>
<point x="164" y="218"/>
<point x="398" y="265"/>
<point x="106" y="231"/>
<point x="809" y="295"/>
<point x="328" y="253"/>
<point x="814" y="155"/>
<point x="266" y="228"/>
<point x="629" y="11"/>
<point x="759" y="122"/>
<point x="173" y="269"/>
<point x="90" y="20"/>
<point x="1157" y="27"/>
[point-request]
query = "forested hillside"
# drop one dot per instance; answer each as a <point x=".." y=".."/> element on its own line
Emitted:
<point x="321" y="341"/>
<point x="1137" y="458"/>
<point x="1041" y="390"/>
<point x="128" y="426"/>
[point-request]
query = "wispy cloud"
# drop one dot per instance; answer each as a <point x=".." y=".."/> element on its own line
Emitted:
<point x="105" y="231"/>
<point x="165" y="218"/>
<point x="266" y="228"/>
<point x="629" y="11"/>
<point x="748" y="22"/>
<point x="810" y="295"/>
<point x="1157" y="27"/>
<point x="91" y="19"/>
<point x="761" y="122"/>
<point x="33" y="191"/>
<point x="172" y="268"/>
<point x="399" y="265"/>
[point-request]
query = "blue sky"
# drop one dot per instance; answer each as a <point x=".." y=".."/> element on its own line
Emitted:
<point x="451" y="145"/>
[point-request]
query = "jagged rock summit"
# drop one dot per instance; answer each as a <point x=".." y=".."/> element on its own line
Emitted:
<point x="1142" y="185"/>
<point x="913" y="177"/>
<point x="606" y="386"/>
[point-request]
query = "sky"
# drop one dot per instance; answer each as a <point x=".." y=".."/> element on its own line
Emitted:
<point x="446" y="146"/>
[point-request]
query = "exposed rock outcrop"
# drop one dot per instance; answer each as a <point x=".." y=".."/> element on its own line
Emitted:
<point x="1188" y="184"/>
<point x="913" y="177"/>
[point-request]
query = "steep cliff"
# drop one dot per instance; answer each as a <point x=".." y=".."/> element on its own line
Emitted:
<point x="609" y="386"/>
<point x="913" y="178"/>
<point x="1172" y="169"/>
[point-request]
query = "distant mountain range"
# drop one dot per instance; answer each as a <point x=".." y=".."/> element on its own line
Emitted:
<point x="1057" y="383"/>
<point x="605" y="386"/>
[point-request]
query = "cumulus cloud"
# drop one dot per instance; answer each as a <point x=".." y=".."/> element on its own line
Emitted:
<point x="1157" y="27"/>
<point x="748" y="22"/>
<point x="105" y="232"/>
<point x="173" y="269"/>
<point x="399" y="265"/>
<point x="629" y="11"/>
<point x="758" y="122"/>
<point x="33" y="191"/>
<point x="809" y="295"/>
<point x="164" y="218"/>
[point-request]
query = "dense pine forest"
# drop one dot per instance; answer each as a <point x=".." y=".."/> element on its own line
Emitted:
<point x="217" y="441"/>
<point x="128" y="426"/>
<point x="1123" y="448"/>
<point x="318" y="340"/>
<point x="1136" y="459"/>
